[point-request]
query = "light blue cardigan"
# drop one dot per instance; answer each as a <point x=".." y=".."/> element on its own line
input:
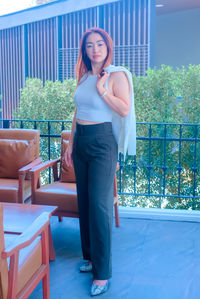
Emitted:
<point x="124" y="128"/>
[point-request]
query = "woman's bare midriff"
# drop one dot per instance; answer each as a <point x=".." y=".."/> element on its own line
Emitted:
<point x="86" y="122"/>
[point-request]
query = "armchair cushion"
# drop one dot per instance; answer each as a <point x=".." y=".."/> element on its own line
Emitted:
<point x="58" y="194"/>
<point x="23" y="134"/>
<point x="14" y="154"/>
<point x="9" y="190"/>
<point x="30" y="259"/>
<point x="66" y="173"/>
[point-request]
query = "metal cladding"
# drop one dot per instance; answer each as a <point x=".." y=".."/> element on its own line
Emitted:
<point x="48" y="49"/>
<point x="11" y="68"/>
<point x="42" y="50"/>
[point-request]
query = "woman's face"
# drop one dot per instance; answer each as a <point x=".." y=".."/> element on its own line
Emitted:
<point x="96" y="48"/>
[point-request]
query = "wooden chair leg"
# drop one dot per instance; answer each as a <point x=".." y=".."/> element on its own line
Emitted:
<point x="45" y="260"/>
<point x="46" y="287"/>
<point x="51" y="247"/>
<point x="117" y="223"/>
<point x="13" y="269"/>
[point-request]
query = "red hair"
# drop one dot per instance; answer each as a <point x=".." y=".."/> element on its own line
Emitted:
<point x="84" y="64"/>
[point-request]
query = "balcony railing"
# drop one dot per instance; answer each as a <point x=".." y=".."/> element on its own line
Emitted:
<point x="165" y="172"/>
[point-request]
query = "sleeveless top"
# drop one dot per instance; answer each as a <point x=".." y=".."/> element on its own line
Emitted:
<point x="90" y="106"/>
<point x="124" y="128"/>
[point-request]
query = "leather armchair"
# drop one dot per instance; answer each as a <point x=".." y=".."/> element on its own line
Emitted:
<point x="62" y="191"/>
<point x="24" y="260"/>
<point x="19" y="152"/>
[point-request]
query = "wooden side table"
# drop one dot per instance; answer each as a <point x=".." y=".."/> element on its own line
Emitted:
<point x="17" y="217"/>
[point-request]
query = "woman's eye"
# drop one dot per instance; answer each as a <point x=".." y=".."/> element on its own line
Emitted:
<point x="100" y="45"/>
<point x="89" y="46"/>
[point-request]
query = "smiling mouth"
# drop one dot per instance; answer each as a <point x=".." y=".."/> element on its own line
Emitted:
<point x="96" y="56"/>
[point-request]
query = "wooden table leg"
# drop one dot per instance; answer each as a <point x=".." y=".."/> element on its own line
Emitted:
<point x="51" y="247"/>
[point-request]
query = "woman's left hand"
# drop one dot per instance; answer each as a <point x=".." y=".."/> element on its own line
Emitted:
<point x="119" y="99"/>
<point x="101" y="80"/>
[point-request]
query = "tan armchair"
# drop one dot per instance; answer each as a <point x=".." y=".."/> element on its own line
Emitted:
<point x="62" y="191"/>
<point x="24" y="260"/>
<point x="19" y="151"/>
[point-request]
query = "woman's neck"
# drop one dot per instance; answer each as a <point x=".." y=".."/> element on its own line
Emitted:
<point x="96" y="68"/>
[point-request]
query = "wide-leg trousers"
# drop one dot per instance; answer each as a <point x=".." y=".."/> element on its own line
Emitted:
<point x="95" y="155"/>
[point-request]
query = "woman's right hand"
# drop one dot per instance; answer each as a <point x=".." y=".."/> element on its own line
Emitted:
<point x="68" y="156"/>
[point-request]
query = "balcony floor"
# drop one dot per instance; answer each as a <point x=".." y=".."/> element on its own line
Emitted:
<point x="152" y="259"/>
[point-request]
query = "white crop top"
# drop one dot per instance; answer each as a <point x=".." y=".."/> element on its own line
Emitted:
<point x="90" y="106"/>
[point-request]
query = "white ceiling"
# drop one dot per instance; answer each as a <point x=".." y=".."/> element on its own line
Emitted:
<point x="176" y="5"/>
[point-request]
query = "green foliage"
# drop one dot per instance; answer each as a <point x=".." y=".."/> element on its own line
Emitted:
<point x="189" y="89"/>
<point x="53" y="101"/>
<point x="162" y="96"/>
<point x="165" y="96"/>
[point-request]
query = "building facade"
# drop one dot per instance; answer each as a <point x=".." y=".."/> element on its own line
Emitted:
<point x="43" y="41"/>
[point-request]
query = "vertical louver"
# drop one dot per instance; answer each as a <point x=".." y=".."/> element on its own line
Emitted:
<point x="11" y="70"/>
<point x="42" y="49"/>
<point x="48" y="49"/>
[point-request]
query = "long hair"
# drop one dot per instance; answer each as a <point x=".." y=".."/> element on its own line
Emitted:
<point x="83" y="63"/>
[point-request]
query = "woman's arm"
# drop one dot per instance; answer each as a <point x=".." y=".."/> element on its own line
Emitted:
<point x="68" y="152"/>
<point x="119" y="101"/>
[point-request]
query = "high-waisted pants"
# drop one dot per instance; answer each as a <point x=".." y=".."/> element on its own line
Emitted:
<point x="95" y="158"/>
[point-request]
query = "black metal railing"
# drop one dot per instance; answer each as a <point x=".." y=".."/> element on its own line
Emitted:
<point x="165" y="172"/>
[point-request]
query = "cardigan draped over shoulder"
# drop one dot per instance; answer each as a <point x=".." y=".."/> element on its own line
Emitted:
<point x="124" y="128"/>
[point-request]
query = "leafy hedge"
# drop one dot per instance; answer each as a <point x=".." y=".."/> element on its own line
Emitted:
<point x="165" y="95"/>
<point x="53" y="101"/>
<point x="162" y="96"/>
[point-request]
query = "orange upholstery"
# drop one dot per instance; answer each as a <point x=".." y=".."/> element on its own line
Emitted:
<point x="30" y="260"/>
<point x="62" y="192"/>
<point x="14" y="154"/>
<point x="23" y="134"/>
<point x="66" y="173"/>
<point x="24" y="260"/>
<point x="19" y="151"/>
<point x="9" y="189"/>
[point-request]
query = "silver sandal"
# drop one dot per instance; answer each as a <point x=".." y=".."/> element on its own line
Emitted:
<point x="98" y="290"/>
<point x="86" y="267"/>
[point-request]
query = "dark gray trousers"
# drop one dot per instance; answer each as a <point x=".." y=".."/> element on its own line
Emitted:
<point x="95" y="158"/>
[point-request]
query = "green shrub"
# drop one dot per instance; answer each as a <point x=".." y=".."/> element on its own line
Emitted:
<point x="162" y="96"/>
<point x="165" y="96"/>
<point x="53" y="101"/>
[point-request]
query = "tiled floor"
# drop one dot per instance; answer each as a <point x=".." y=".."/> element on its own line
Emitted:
<point x="152" y="259"/>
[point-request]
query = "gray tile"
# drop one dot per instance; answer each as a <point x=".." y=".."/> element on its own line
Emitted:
<point x="152" y="259"/>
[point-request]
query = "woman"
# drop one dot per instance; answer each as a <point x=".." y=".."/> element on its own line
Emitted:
<point x="103" y="121"/>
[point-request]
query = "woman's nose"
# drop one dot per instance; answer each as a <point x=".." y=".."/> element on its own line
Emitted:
<point x="95" y="49"/>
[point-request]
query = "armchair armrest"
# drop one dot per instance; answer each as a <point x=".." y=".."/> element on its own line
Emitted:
<point x="43" y="166"/>
<point x="26" y="238"/>
<point x="22" y="175"/>
<point x="35" y="173"/>
<point x="26" y="168"/>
